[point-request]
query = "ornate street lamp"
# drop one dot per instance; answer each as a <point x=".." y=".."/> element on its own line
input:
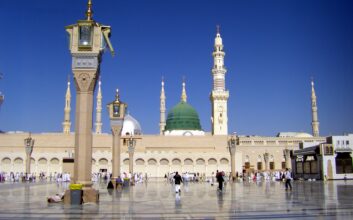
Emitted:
<point x="231" y="146"/>
<point x="131" y="149"/>
<point x="29" y="143"/>
<point x="116" y="111"/>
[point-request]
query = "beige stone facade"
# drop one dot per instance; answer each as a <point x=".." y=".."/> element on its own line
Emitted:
<point x="154" y="154"/>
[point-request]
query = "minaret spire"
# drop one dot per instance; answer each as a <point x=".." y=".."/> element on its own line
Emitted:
<point x="98" y="123"/>
<point x="183" y="93"/>
<point x="315" y="121"/>
<point x="89" y="12"/>
<point x="67" y="123"/>
<point x="219" y="96"/>
<point x="162" y="109"/>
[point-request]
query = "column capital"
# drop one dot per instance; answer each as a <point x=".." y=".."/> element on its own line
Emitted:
<point x="85" y="80"/>
<point x="116" y="129"/>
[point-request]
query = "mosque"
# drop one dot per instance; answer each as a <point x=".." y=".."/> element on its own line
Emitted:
<point x="181" y="145"/>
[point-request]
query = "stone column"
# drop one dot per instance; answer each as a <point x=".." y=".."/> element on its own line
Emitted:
<point x="266" y="159"/>
<point x="29" y="143"/>
<point x="116" y="130"/>
<point x="232" y="162"/>
<point x="131" y="162"/>
<point x="28" y="164"/>
<point x="85" y="82"/>
<point x="286" y="154"/>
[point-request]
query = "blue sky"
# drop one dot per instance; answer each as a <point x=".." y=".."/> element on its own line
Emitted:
<point x="272" y="48"/>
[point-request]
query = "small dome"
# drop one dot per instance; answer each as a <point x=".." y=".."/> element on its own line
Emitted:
<point x="294" y="134"/>
<point x="182" y="117"/>
<point x="131" y="126"/>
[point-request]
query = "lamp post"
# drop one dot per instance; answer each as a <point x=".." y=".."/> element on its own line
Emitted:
<point x="131" y="149"/>
<point x="29" y="143"/>
<point x="87" y="42"/>
<point x="231" y="146"/>
<point x="116" y="111"/>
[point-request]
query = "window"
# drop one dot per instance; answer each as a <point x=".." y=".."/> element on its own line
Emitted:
<point x="343" y="163"/>
<point x="347" y="142"/>
<point x="283" y="165"/>
<point x="300" y="167"/>
<point x="307" y="167"/>
<point x="259" y="165"/>
<point x="328" y="150"/>
<point x="247" y="165"/>
<point x="272" y="165"/>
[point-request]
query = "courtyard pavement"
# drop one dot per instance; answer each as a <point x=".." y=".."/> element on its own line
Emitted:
<point x="157" y="200"/>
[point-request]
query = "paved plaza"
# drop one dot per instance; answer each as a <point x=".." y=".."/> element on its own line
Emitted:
<point x="157" y="200"/>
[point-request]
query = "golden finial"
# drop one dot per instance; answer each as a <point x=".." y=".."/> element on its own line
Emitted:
<point x="89" y="12"/>
<point x="183" y="93"/>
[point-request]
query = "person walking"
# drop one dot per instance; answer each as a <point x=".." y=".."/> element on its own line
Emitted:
<point x="220" y="180"/>
<point x="288" y="178"/>
<point x="177" y="181"/>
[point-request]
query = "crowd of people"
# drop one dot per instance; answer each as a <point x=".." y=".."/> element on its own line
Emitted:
<point x="175" y="178"/>
<point x="221" y="178"/>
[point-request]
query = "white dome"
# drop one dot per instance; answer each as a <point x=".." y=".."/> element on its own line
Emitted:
<point x="294" y="134"/>
<point x="131" y="126"/>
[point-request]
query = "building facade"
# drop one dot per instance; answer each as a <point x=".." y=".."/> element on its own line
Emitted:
<point x="181" y="145"/>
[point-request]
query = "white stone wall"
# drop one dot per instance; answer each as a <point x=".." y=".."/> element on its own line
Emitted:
<point x="154" y="154"/>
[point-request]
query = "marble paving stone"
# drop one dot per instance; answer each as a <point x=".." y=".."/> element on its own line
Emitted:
<point x="158" y="200"/>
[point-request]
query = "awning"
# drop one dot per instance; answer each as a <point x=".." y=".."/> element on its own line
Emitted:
<point x="343" y="150"/>
<point x="307" y="151"/>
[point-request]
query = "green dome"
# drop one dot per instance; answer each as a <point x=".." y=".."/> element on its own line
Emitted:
<point x="183" y="117"/>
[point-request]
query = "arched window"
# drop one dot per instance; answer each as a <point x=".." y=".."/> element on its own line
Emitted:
<point x="188" y="161"/>
<point x="224" y="161"/>
<point x="103" y="161"/>
<point x="152" y="162"/>
<point x="176" y="162"/>
<point x="200" y="161"/>
<point x="6" y="160"/>
<point x="164" y="162"/>
<point x="140" y="161"/>
<point x="42" y="161"/>
<point x="212" y="161"/>
<point x="126" y="161"/>
<point x="18" y="160"/>
<point x="54" y="161"/>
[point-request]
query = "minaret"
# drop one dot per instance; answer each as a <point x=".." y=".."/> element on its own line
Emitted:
<point x="67" y="109"/>
<point x="315" y="122"/>
<point x="219" y="95"/>
<point x="183" y="93"/>
<point x="98" y="123"/>
<point x="162" y="110"/>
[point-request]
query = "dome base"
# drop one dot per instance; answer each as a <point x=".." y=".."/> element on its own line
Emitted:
<point x="184" y="133"/>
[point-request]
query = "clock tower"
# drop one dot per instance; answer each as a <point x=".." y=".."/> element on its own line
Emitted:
<point x="219" y="95"/>
<point x="88" y="40"/>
